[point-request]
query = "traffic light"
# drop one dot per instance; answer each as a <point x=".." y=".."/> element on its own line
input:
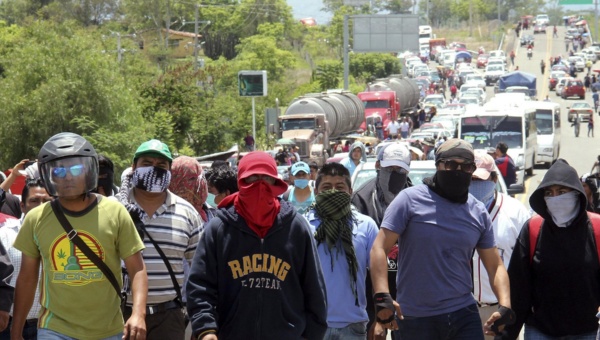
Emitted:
<point x="252" y="83"/>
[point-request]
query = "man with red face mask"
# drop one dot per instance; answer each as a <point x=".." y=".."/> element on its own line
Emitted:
<point x="257" y="265"/>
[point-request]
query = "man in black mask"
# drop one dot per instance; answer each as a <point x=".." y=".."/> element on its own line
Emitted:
<point x="106" y="172"/>
<point x="438" y="225"/>
<point x="373" y="198"/>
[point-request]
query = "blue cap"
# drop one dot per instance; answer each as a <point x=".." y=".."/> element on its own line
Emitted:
<point x="300" y="166"/>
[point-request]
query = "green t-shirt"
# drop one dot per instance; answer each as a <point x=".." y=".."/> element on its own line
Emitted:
<point x="77" y="299"/>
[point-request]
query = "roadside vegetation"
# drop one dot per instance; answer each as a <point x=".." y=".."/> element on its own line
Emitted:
<point x="59" y="68"/>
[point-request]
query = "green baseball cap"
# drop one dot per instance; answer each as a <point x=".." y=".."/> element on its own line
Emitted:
<point x="153" y="147"/>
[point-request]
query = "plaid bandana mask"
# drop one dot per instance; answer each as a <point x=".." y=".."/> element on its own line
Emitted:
<point x="151" y="179"/>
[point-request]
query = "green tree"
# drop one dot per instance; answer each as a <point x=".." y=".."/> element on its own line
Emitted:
<point x="260" y="52"/>
<point x="329" y="74"/>
<point x="56" y="79"/>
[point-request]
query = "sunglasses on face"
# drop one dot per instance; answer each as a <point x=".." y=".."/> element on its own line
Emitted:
<point x="464" y="167"/>
<point x="61" y="172"/>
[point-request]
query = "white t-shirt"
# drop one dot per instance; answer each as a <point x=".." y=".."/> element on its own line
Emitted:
<point x="404" y="126"/>
<point x="392" y="128"/>
<point x="508" y="216"/>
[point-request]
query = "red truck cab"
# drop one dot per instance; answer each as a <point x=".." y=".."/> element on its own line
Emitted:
<point x="379" y="104"/>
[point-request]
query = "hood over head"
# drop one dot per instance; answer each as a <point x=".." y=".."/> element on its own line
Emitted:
<point x="360" y="145"/>
<point x="560" y="173"/>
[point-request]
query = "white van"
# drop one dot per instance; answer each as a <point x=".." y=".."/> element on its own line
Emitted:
<point x="513" y="124"/>
<point x="547" y="120"/>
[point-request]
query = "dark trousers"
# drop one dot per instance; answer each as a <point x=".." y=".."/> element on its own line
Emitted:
<point x="29" y="330"/>
<point x="169" y="324"/>
<point x="463" y="324"/>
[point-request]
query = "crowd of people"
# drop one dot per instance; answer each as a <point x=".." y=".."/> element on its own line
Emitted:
<point x="306" y="258"/>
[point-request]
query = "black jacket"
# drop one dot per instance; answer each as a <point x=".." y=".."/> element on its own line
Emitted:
<point x="244" y="287"/>
<point x="6" y="272"/>
<point x="366" y="202"/>
<point x="558" y="293"/>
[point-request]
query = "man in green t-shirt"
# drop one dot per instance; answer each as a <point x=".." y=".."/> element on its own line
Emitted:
<point x="77" y="299"/>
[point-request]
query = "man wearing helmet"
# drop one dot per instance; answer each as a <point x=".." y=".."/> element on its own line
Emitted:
<point x="72" y="286"/>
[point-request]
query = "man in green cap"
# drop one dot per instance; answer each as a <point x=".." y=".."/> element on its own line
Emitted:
<point x="170" y="228"/>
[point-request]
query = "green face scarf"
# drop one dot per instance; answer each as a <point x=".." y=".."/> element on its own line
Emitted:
<point x="334" y="210"/>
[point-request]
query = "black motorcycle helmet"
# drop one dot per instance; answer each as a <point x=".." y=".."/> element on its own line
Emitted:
<point x="64" y="156"/>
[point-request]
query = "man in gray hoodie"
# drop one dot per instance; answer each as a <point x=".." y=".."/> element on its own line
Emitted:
<point x="356" y="156"/>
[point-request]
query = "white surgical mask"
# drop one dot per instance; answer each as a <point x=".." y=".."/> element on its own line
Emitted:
<point x="563" y="208"/>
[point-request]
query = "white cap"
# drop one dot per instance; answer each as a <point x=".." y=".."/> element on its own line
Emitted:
<point x="396" y="154"/>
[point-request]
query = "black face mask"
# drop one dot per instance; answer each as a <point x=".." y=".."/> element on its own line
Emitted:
<point x="391" y="183"/>
<point x="452" y="185"/>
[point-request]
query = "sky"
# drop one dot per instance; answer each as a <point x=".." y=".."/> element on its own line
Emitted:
<point x="309" y="8"/>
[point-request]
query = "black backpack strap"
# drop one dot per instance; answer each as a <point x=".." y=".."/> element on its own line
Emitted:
<point x="74" y="237"/>
<point x="167" y="264"/>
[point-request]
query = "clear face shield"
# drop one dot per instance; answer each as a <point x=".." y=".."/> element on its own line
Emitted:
<point x="70" y="176"/>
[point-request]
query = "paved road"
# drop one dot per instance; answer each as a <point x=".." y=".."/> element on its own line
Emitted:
<point x="580" y="152"/>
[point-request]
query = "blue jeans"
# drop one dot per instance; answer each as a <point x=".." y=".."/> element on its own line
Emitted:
<point x="532" y="333"/>
<point x="46" y="334"/>
<point x="354" y="331"/>
<point x="463" y="324"/>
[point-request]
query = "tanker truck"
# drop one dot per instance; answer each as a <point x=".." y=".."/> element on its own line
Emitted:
<point x="388" y="98"/>
<point x="314" y="119"/>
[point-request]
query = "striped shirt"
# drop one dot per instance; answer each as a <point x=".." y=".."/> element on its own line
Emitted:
<point x="175" y="227"/>
<point x="8" y="234"/>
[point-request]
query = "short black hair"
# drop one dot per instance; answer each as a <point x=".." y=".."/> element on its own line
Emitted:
<point x="314" y="165"/>
<point x="31" y="183"/>
<point x="219" y="164"/>
<point x="105" y="162"/>
<point x="222" y="179"/>
<point x="333" y="169"/>
<point x="502" y="147"/>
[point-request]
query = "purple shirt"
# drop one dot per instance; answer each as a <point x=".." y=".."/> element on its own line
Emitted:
<point x="437" y="239"/>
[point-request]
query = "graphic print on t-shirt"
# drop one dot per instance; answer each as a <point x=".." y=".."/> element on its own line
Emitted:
<point x="70" y="265"/>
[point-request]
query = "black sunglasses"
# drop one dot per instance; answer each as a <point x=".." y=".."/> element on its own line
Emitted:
<point x="464" y="167"/>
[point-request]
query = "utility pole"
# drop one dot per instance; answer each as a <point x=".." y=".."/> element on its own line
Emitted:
<point x="498" y="10"/>
<point x="470" y="18"/>
<point x="196" y="9"/>
<point x="346" y="41"/>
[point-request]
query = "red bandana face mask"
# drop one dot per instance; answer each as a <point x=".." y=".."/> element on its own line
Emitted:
<point x="258" y="205"/>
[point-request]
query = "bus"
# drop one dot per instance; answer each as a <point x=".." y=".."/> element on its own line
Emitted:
<point x="514" y="124"/>
<point x="547" y="120"/>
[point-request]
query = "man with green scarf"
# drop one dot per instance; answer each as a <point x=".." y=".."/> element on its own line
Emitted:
<point x="344" y="238"/>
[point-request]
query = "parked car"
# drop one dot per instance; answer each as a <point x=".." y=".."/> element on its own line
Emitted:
<point x="584" y="109"/>
<point x="482" y="60"/>
<point x="498" y="54"/>
<point x="527" y="39"/>
<point x="573" y="87"/>
<point x="419" y="170"/>
<point x="493" y="73"/>
<point x="589" y="55"/>
<point x="476" y="91"/>
<point x="542" y="19"/>
<point x="560" y="84"/>
<point x="539" y="29"/>
<point x="477" y="79"/>
<point x="470" y="100"/>
<point x="554" y="76"/>
<point x="435" y="99"/>
<point x="560" y="67"/>
<point x="578" y="61"/>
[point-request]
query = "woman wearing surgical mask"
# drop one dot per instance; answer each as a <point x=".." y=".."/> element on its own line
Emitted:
<point x="301" y="194"/>
<point x="555" y="274"/>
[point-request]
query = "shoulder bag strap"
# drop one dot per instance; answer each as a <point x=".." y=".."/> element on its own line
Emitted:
<point x="535" y="225"/>
<point x="167" y="264"/>
<point x="74" y="237"/>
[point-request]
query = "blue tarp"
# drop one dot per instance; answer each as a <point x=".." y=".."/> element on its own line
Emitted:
<point x="464" y="55"/>
<point x="518" y="78"/>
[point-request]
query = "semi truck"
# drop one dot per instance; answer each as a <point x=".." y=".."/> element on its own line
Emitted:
<point x="387" y="99"/>
<point x="315" y="119"/>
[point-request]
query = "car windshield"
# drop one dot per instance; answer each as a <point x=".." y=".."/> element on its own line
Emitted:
<point x="543" y="121"/>
<point x="580" y="106"/>
<point x="486" y="132"/>
<point x="376" y="104"/>
<point x="495" y="68"/>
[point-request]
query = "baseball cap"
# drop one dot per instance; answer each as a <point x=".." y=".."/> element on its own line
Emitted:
<point x="396" y="155"/>
<point x="455" y="148"/>
<point x="485" y="165"/>
<point x="153" y="146"/>
<point x="300" y="166"/>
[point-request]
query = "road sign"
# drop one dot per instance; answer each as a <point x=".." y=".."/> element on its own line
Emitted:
<point x="252" y="83"/>
<point x="386" y="33"/>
